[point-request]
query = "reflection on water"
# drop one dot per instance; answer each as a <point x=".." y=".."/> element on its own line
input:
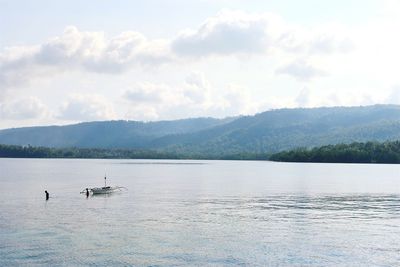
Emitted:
<point x="366" y="207"/>
<point x="161" y="163"/>
<point x="108" y="195"/>
<point x="219" y="213"/>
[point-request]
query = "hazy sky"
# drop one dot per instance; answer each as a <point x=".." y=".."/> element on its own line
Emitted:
<point x="69" y="61"/>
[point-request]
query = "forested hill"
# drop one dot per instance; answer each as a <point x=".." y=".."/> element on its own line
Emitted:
<point x="264" y="133"/>
<point x="105" y="134"/>
<point x="369" y="152"/>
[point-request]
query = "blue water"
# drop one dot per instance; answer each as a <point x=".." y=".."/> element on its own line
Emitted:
<point x="199" y="213"/>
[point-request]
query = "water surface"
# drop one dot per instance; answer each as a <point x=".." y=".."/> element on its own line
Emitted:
<point x="197" y="213"/>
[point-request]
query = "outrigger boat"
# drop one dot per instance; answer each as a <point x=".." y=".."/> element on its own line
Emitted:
<point x="105" y="189"/>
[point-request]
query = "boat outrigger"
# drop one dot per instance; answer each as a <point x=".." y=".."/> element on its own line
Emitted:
<point x="105" y="189"/>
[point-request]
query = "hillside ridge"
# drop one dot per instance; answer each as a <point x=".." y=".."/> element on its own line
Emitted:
<point x="265" y="132"/>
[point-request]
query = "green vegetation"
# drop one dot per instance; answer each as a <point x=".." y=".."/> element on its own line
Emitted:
<point x="369" y="152"/>
<point x="246" y="137"/>
<point x="11" y="151"/>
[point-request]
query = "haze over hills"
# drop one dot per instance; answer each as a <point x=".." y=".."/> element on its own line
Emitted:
<point x="105" y="134"/>
<point x="266" y="132"/>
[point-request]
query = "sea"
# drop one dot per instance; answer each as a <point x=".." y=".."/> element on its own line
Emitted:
<point x="198" y="213"/>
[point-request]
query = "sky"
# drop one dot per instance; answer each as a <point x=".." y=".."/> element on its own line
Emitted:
<point x="63" y="62"/>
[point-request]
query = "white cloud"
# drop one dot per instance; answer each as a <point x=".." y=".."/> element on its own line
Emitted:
<point x="301" y="70"/>
<point x="393" y="96"/>
<point x="237" y="32"/>
<point x="23" y="109"/>
<point x="347" y="99"/>
<point x="154" y="94"/>
<point x="197" y="88"/>
<point x="303" y="98"/>
<point x="94" y="52"/>
<point x="229" y="32"/>
<point x="85" y="107"/>
<point x="316" y="98"/>
<point x="145" y="93"/>
<point x="194" y="97"/>
<point x="325" y="40"/>
<point x="237" y="100"/>
<point x="142" y="113"/>
<point x="242" y="54"/>
<point x="327" y="44"/>
<point x="78" y="50"/>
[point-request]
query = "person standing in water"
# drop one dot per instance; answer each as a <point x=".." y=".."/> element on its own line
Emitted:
<point x="47" y="194"/>
<point x="87" y="192"/>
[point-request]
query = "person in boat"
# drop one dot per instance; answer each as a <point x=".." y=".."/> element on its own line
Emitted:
<point x="47" y="194"/>
<point x="87" y="192"/>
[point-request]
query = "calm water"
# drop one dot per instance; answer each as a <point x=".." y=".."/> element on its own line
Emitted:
<point x="198" y="213"/>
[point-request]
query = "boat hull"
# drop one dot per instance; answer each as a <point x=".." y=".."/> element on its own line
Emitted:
<point x="103" y="190"/>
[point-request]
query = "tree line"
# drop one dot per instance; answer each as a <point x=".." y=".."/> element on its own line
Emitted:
<point x="14" y="151"/>
<point x="368" y="152"/>
<point x="357" y="152"/>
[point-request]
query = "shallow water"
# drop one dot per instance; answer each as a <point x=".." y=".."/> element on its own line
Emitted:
<point x="197" y="213"/>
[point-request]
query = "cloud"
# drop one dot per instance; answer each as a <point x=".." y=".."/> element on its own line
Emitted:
<point x="328" y="44"/>
<point x="301" y="70"/>
<point x="145" y="93"/>
<point x="347" y="99"/>
<point x="82" y="57"/>
<point x="85" y="107"/>
<point x="303" y="98"/>
<point x="194" y="97"/>
<point x="229" y="32"/>
<point x="15" y="70"/>
<point x="393" y="96"/>
<point x="237" y="100"/>
<point x="154" y="94"/>
<point x="197" y="88"/>
<point x="94" y="52"/>
<point x="23" y="109"/>
<point x="328" y="98"/>
<point x="78" y="50"/>
<point x="313" y="42"/>
<point x="225" y="34"/>
<point x="142" y="112"/>
<point x="236" y="32"/>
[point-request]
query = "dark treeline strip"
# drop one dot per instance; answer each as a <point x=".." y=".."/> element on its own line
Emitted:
<point x="12" y="151"/>
<point x="369" y="152"/>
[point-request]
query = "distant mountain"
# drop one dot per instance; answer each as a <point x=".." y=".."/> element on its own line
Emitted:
<point x="266" y="132"/>
<point x="105" y="134"/>
<point x="282" y="129"/>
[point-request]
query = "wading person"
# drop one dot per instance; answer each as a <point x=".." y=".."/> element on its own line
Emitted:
<point x="47" y="194"/>
<point x="87" y="192"/>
